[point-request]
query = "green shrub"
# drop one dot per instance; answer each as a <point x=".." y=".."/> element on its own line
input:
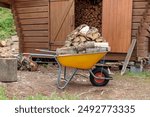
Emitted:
<point x="7" y="27"/>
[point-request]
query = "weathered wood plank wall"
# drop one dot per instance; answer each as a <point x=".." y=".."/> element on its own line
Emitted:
<point x="140" y="24"/>
<point x="33" y="18"/>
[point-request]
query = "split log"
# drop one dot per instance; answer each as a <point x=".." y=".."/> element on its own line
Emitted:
<point x="83" y="46"/>
<point x="82" y="39"/>
<point x="92" y="50"/>
<point x="66" y="50"/>
<point x="93" y="36"/>
<point x="99" y="39"/>
<point x="77" y="39"/>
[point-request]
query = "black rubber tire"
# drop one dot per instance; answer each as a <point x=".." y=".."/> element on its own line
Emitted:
<point x="99" y="70"/>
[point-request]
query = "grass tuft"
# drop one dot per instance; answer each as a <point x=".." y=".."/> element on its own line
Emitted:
<point x="3" y="94"/>
<point x="144" y="74"/>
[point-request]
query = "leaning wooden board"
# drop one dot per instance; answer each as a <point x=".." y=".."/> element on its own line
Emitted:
<point x="127" y="59"/>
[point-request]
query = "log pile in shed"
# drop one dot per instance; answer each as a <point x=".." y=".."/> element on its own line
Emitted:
<point x="84" y="39"/>
<point x="87" y="13"/>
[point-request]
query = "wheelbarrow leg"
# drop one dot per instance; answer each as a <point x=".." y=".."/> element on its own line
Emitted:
<point x="65" y="71"/>
<point x="67" y="80"/>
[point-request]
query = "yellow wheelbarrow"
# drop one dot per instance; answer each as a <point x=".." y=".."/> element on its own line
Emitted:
<point x="98" y="75"/>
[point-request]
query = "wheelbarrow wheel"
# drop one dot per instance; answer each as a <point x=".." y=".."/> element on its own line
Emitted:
<point x="99" y="72"/>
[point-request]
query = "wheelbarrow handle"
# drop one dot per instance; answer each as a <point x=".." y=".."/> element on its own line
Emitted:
<point x="42" y="55"/>
<point x="44" y="50"/>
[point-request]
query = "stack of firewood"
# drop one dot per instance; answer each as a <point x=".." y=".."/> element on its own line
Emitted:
<point x="84" y="39"/>
<point x="87" y="13"/>
<point x="26" y="63"/>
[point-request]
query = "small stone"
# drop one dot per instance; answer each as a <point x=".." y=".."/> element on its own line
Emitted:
<point x="9" y="42"/>
<point x="3" y="44"/>
<point x="13" y="49"/>
<point x="15" y="38"/>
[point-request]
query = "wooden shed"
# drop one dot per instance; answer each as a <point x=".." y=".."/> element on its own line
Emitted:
<point x="45" y="23"/>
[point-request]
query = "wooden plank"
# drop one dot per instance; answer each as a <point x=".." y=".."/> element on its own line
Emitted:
<point x="35" y="27"/>
<point x="35" y="33"/>
<point x="32" y="3"/>
<point x="144" y="33"/>
<point x="135" y="26"/>
<point x="36" y="45"/>
<point x="32" y="50"/>
<point x="118" y="56"/>
<point x="139" y="0"/>
<point x="34" y="21"/>
<point x="36" y="39"/>
<point x="139" y="5"/>
<point x="137" y="19"/>
<point x="63" y="24"/>
<point x="6" y="1"/>
<point x="32" y="9"/>
<point x="139" y="12"/>
<point x="116" y="26"/>
<point x="33" y="15"/>
<point x="134" y="33"/>
<point x="4" y="5"/>
<point x="127" y="59"/>
<point x="142" y="53"/>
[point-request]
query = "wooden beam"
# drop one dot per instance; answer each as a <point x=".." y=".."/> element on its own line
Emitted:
<point x="6" y="1"/>
<point x="4" y="5"/>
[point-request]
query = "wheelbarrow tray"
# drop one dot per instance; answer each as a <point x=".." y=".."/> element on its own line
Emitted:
<point x="80" y="61"/>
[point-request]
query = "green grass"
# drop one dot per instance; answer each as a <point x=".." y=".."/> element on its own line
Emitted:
<point x="53" y="96"/>
<point x="144" y="74"/>
<point x="7" y="28"/>
<point x="3" y="94"/>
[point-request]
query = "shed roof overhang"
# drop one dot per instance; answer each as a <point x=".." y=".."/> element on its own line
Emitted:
<point x="5" y="3"/>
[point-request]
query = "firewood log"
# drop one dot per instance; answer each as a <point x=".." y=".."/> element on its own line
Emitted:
<point x="66" y="50"/>
<point x="82" y="39"/>
<point x="77" y="39"/>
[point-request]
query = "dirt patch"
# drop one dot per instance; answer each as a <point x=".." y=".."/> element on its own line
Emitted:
<point x="44" y="82"/>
